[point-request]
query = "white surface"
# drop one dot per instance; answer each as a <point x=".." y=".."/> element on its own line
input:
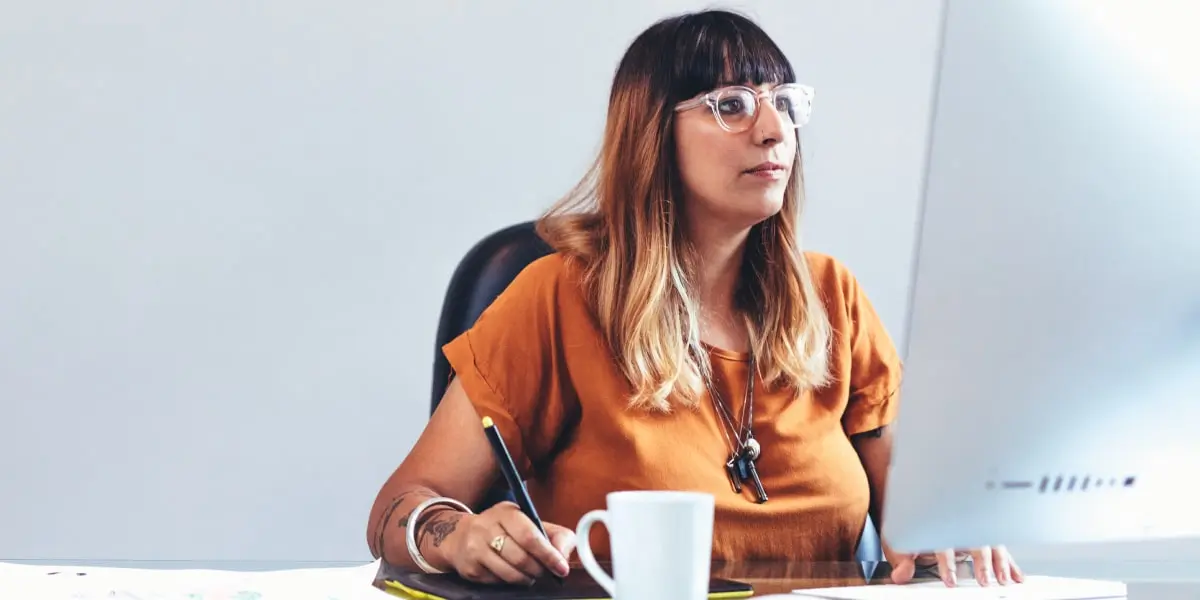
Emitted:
<point x="226" y="229"/>
<point x="1056" y="311"/>
<point x="661" y="544"/>
<point x="88" y="583"/>
<point x="1034" y="588"/>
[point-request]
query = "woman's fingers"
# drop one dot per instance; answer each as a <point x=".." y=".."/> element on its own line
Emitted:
<point x="489" y="554"/>
<point x="477" y="572"/>
<point x="904" y="567"/>
<point x="479" y="561"/>
<point x="505" y="571"/>
<point x="515" y="555"/>
<point x="562" y="539"/>
<point x="995" y="564"/>
<point x="1000" y="565"/>
<point x="982" y="560"/>
<point x="947" y="567"/>
<point x="1005" y="567"/>
<point x="524" y="533"/>
<point x="501" y="544"/>
<point x="991" y="565"/>
<point x="1018" y="575"/>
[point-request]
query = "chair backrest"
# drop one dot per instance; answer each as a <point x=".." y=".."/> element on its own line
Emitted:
<point x="481" y="275"/>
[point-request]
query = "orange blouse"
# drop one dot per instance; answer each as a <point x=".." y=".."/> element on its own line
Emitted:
<point x="537" y="364"/>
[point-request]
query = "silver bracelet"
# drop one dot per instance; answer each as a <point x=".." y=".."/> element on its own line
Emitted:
<point x="410" y="535"/>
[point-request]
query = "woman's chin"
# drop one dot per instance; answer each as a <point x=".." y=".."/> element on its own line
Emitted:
<point x="757" y="210"/>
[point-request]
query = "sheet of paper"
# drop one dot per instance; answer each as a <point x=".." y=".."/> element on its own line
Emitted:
<point x="94" y="583"/>
<point x="1034" y="588"/>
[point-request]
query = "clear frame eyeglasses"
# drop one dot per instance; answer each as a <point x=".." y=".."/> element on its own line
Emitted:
<point x="736" y="107"/>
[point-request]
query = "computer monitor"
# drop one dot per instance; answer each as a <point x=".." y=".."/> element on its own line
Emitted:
<point x="1052" y="360"/>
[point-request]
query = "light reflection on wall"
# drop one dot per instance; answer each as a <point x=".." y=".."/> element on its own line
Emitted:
<point x="1159" y="36"/>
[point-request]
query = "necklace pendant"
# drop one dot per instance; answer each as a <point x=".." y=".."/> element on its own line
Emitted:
<point x="732" y="471"/>
<point x="760" y="494"/>
<point x="745" y="468"/>
<point x="742" y="464"/>
<point x="753" y="449"/>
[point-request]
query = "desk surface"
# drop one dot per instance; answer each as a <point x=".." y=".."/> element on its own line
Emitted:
<point x="1145" y="580"/>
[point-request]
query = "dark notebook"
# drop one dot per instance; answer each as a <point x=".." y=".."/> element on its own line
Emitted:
<point x="578" y="585"/>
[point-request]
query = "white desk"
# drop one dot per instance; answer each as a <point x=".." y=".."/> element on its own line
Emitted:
<point x="174" y="580"/>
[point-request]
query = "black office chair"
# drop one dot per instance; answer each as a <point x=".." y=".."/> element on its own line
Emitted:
<point x="482" y="274"/>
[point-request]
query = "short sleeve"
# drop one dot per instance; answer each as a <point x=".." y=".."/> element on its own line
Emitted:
<point x="874" y="363"/>
<point x="509" y="364"/>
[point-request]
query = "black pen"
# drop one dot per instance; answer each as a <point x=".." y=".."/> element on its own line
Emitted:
<point x="515" y="485"/>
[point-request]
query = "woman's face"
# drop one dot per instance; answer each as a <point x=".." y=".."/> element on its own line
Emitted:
<point x="736" y="168"/>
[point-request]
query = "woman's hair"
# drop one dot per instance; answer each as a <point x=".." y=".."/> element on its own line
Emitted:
<point x="622" y="223"/>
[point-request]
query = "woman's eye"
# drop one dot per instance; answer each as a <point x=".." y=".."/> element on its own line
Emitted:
<point x="731" y="106"/>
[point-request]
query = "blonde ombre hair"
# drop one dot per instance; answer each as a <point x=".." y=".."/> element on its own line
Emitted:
<point x="622" y="223"/>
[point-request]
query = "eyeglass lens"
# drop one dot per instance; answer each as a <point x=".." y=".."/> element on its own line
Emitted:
<point x="737" y="107"/>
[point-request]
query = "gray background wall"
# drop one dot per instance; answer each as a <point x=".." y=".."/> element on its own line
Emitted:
<point x="227" y="227"/>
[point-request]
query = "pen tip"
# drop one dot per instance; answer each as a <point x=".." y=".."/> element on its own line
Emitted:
<point x="487" y="421"/>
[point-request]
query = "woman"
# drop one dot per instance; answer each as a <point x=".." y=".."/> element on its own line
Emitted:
<point x="678" y="328"/>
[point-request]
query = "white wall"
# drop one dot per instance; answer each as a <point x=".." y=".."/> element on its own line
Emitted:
<point x="226" y="230"/>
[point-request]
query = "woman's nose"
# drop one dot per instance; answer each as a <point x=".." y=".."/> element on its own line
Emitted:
<point x="769" y="125"/>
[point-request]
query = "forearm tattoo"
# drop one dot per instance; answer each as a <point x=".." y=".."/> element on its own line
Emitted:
<point x="381" y="526"/>
<point x="439" y="527"/>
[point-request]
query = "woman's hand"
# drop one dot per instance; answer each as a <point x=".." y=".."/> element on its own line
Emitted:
<point x="991" y="564"/>
<point x="501" y="544"/>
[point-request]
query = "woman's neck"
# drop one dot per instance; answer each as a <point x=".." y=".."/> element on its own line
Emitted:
<point x="718" y="268"/>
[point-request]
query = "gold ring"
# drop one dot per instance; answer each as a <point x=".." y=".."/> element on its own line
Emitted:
<point x="497" y="543"/>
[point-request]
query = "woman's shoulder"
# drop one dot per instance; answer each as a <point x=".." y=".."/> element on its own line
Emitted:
<point x="828" y="271"/>
<point x="544" y="286"/>
<point x="837" y="286"/>
<point x="551" y="274"/>
<point x="549" y="269"/>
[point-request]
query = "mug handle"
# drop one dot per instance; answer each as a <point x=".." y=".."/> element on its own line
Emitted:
<point x="585" y="550"/>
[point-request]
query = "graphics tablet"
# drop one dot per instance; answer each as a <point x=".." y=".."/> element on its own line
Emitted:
<point x="578" y="585"/>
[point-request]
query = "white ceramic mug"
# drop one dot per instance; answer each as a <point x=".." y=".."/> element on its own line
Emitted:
<point x="660" y="542"/>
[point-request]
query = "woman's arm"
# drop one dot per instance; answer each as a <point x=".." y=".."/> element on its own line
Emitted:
<point x="875" y="452"/>
<point x="451" y="459"/>
<point x="508" y="366"/>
